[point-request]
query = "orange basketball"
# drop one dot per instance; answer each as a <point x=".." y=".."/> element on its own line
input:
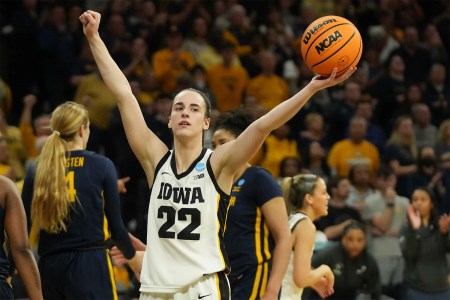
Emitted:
<point x="329" y="42"/>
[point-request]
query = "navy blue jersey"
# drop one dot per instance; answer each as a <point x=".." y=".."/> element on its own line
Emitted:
<point x="95" y="212"/>
<point x="248" y="241"/>
<point x="4" y="262"/>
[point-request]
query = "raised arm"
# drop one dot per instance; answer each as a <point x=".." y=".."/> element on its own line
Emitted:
<point x="253" y="137"/>
<point x="148" y="148"/>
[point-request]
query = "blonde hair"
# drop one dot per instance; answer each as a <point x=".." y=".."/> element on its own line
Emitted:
<point x="296" y="188"/>
<point x="395" y="137"/>
<point x="51" y="202"/>
<point x="441" y="134"/>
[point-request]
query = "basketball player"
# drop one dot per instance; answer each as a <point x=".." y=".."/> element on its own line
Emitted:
<point x="13" y="223"/>
<point x="257" y="236"/>
<point x="71" y="195"/>
<point x="307" y="199"/>
<point x="185" y="257"/>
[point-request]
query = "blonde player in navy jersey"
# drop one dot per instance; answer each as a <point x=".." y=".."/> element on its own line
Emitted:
<point x="71" y="195"/>
<point x="185" y="257"/>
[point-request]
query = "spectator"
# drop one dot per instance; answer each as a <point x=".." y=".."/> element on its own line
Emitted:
<point x="430" y="175"/>
<point x="99" y="101"/>
<point x="342" y="112"/>
<point x="226" y="80"/>
<point x="289" y="167"/>
<point x="443" y="145"/>
<point x="434" y="44"/>
<point x="375" y="134"/>
<point x="425" y="246"/>
<point x="400" y="153"/>
<point x="425" y="131"/>
<point x="385" y="214"/>
<point x="33" y="131"/>
<point x="389" y="91"/>
<point x="16" y="150"/>
<point x="268" y="88"/>
<point x="171" y="61"/>
<point x="315" y="131"/>
<point x="354" y="267"/>
<point x="339" y="213"/>
<point x="417" y="59"/>
<point x="354" y="150"/>
<point x="360" y="186"/>
<point x="197" y="39"/>
<point x="5" y="97"/>
<point x="278" y="145"/>
<point x="57" y="56"/>
<point x="5" y="166"/>
<point x="437" y="93"/>
<point x="413" y="95"/>
<point x="316" y="162"/>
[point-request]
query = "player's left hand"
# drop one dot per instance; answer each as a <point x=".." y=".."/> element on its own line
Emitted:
<point x="319" y="82"/>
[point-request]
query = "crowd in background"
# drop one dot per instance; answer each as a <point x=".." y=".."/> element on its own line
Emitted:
<point x="382" y="134"/>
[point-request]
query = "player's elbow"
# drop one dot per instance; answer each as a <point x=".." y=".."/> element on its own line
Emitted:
<point x="300" y="280"/>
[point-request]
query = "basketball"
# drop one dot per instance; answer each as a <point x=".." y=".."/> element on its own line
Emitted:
<point x="330" y="42"/>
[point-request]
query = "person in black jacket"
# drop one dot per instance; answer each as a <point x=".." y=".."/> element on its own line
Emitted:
<point x="354" y="268"/>
<point x="425" y="246"/>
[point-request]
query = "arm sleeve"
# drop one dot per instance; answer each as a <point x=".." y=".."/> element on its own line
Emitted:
<point x="269" y="187"/>
<point x="112" y="211"/>
<point x="374" y="282"/>
<point x="411" y="243"/>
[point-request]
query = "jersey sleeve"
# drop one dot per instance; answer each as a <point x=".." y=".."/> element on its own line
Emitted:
<point x="268" y="187"/>
<point x="112" y="211"/>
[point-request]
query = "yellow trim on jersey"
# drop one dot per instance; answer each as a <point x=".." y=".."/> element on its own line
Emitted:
<point x="265" y="279"/>
<point x="266" y="242"/>
<point x="256" y="282"/>
<point x="258" y="236"/>
<point x="111" y="275"/>
<point x="219" y="294"/>
<point x="106" y="232"/>
<point x="218" y="231"/>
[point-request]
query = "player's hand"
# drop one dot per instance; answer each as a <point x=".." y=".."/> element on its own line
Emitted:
<point x="321" y="287"/>
<point x="29" y="100"/>
<point x="91" y="22"/>
<point x="136" y="264"/>
<point x="319" y="82"/>
<point x="117" y="257"/>
<point x="137" y="243"/>
<point x="121" y="184"/>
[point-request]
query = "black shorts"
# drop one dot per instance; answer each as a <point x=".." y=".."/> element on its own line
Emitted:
<point x="6" y="291"/>
<point x="250" y="284"/>
<point x="78" y="275"/>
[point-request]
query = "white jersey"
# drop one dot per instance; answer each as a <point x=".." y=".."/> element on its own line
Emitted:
<point x="289" y="290"/>
<point x="186" y="218"/>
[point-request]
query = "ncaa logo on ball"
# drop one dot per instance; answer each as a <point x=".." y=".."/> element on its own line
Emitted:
<point x="328" y="42"/>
